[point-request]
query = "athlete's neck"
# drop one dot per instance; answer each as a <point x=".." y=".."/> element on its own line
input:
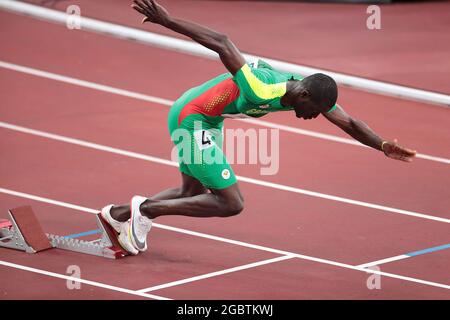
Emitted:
<point x="292" y="89"/>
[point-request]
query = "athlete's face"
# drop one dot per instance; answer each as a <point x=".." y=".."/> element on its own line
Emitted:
<point x="300" y="99"/>
<point x="307" y="110"/>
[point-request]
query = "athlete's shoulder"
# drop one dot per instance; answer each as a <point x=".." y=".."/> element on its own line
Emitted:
<point x="262" y="64"/>
<point x="257" y="63"/>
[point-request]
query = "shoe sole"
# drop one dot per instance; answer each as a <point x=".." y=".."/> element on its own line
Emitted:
<point x="127" y="246"/>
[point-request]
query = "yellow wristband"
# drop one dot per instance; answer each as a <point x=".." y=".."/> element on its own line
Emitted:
<point x="382" y="145"/>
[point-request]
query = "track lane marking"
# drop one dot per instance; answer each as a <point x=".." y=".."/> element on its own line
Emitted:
<point x="428" y="250"/>
<point x="87" y="282"/>
<point x="216" y="273"/>
<point x="383" y="261"/>
<point x="406" y="256"/>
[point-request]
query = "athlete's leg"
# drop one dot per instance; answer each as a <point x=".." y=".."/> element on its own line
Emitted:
<point x="219" y="203"/>
<point x="189" y="187"/>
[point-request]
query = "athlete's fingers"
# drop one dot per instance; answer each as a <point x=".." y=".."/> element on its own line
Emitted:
<point x="138" y="9"/>
<point x="157" y="5"/>
<point x="141" y="6"/>
<point x="406" y="159"/>
<point x="151" y="4"/>
<point x="135" y="7"/>
<point x="410" y="152"/>
<point x="401" y="157"/>
<point x="150" y="11"/>
<point x="145" y="6"/>
<point x="405" y="151"/>
<point x="145" y="13"/>
<point x="407" y="154"/>
<point x="135" y="4"/>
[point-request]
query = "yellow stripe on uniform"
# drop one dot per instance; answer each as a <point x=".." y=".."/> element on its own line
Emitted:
<point x="263" y="90"/>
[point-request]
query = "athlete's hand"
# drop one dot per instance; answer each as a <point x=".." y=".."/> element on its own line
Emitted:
<point x="394" y="151"/>
<point x="152" y="11"/>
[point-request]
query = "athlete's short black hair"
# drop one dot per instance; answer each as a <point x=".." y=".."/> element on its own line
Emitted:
<point x="323" y="89"/>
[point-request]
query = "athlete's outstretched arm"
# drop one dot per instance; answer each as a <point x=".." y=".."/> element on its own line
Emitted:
<point x="218" y="42"/>
<point x="361" y="132"/>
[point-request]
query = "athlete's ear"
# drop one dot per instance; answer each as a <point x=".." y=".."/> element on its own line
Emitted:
<point x="304" y="93"/>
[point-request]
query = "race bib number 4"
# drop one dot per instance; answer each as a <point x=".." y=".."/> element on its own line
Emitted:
<point x="204" y="139"/>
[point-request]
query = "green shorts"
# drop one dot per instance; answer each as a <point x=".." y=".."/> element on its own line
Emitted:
<point x="199" y="139"/>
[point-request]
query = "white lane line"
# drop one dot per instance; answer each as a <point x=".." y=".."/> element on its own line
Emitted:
<point x="87" y="282"/>
<point x="215" y="274"/>
<point x="248" y="245"/>
<point x="341" y="199"/>
<point x="83" y="83"/>
<point x="272" y="185"/>
<point x="46" y="200"/>
<point x="87" y="144"/>
<point x="407" y="255"/>
<point x="383" y="261"/>
<point x="148" y="98"/>
<point x="190" y="47"/>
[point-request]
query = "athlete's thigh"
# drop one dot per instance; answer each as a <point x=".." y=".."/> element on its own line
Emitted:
<point x="191" y="186"/>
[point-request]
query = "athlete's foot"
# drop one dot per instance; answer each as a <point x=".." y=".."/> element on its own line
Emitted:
<point x="106" y="214"/>
<point x="125" y="239"/>
<point x="139" y="224"/>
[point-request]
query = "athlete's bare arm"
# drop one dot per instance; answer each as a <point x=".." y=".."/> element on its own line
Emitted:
<point x="361" y="132"/>
<point x="218" y="42"/>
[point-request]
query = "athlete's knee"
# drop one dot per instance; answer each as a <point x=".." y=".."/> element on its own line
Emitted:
<point x="233" y="207"/>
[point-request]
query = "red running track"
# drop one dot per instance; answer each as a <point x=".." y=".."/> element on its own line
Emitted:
<point x="277" y="219"/>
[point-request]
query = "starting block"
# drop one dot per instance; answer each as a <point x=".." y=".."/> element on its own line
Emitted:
<point x="24" y="232"/>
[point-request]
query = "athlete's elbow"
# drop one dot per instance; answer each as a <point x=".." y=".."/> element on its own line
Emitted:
<point x="352" y="125"/>
<point x="219" y="43"/>
<point x="224" y="44"/>
<point x="222" y="38"/>
<point x="358" y="125"/>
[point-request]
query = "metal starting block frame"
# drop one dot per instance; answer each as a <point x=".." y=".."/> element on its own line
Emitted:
<point x="23" y="232"/>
